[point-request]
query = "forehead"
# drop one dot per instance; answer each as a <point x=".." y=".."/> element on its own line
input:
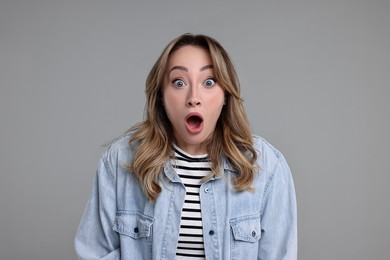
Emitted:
<point x="189" y="56"/>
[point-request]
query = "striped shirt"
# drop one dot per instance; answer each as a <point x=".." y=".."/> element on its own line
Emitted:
<point x="191" y="169"/>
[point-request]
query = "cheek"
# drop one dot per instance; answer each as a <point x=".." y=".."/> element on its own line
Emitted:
<point x="171" y="106"/>
<point x="216" y="107"/>
<point x="218" y="100"/>
<point x="170" y="103"/>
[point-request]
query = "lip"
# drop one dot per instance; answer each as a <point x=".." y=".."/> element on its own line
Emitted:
<point x="191" y="129"/>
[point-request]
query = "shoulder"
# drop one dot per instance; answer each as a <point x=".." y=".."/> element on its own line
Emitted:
<point x="119" y="152"/>
<point x="269" y="159"/>
<point x="265" y="150"/>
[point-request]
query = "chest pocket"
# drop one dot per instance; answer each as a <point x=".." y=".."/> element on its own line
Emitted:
<point x="246" y="228"/>
<point x="133" y="224"/>
<point x="246" y="233"/>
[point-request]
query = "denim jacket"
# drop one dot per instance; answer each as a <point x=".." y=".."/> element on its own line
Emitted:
<point x="119" y="222"/>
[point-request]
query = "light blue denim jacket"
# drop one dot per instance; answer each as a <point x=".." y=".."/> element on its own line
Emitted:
<point x="120" y="223"/>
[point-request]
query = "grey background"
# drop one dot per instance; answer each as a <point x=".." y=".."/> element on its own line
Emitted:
<point x="314" y="75"/>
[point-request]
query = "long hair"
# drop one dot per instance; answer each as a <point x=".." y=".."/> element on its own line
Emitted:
<point x="231" y="138"/>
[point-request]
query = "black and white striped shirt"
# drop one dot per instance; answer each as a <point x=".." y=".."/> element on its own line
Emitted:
<point x="191" y="169"/>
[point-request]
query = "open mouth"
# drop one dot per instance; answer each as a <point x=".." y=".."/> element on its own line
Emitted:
<point x="194" y="122"/>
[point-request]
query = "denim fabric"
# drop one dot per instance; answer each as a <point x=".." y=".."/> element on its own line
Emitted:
<point x="120" y="223"/>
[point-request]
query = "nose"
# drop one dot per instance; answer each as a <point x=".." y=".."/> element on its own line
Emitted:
<point x="193" y="97"/>
<point x="193" y="102"/>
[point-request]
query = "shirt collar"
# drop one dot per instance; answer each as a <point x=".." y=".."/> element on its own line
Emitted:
<point x="171" y="174"/>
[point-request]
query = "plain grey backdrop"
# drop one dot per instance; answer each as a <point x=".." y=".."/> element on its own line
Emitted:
<point x="315" y="77"/>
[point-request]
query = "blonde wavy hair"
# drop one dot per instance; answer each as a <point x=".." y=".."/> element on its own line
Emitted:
<point x="231" y="138"/>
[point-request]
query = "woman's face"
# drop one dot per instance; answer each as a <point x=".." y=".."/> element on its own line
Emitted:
<point x="192" y="98"/>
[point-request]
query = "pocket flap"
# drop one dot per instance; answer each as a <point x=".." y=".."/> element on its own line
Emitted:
<point x="133" y="224"/>
<point x="246" y="228"/>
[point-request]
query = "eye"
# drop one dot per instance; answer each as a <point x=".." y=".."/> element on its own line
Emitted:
<point x="178" y="83"/>
<point x="209" y="82"/>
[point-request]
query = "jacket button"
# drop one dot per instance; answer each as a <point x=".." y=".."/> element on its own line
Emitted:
<point x="136" y="230"/>
<point x="211" y="232"/>
<point x="206" y="190"/>
<point x="253" y="233"/>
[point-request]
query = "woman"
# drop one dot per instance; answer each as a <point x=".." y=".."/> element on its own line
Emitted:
<point x="190" y="181"/>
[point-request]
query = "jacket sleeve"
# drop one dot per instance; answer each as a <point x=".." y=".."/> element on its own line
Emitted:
<point x="279" y="214"/>
<point x="95" y="237"/>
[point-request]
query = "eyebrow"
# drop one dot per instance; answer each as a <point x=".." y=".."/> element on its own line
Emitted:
<point x="206" y="67"/>
<point x="186" y="70"/>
